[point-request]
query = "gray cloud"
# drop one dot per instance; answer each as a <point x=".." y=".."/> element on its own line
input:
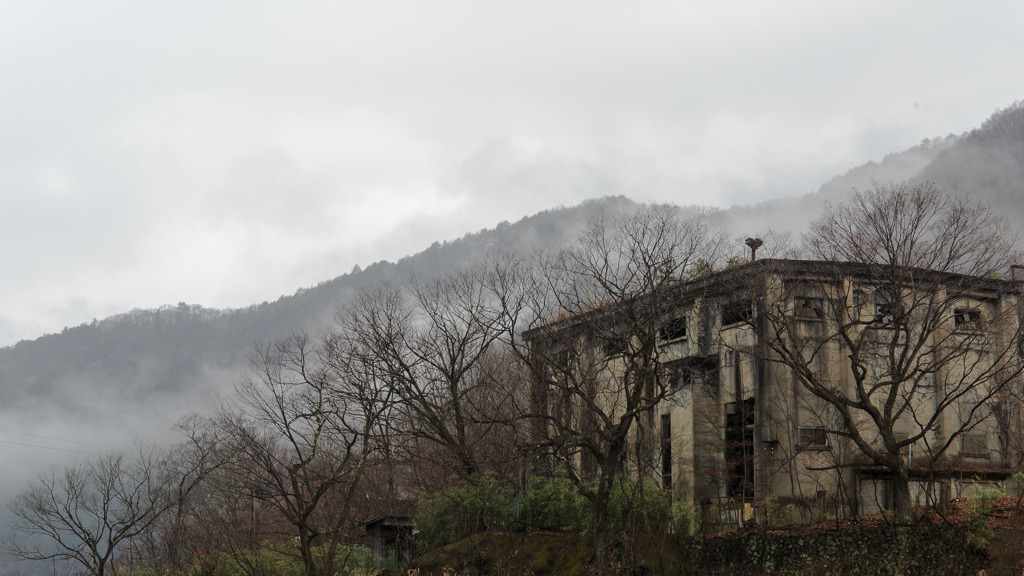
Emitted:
<point x="228" y="153"/>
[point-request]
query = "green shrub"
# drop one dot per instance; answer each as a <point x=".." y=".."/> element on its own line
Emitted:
<point x="684" y="518"/>
<point x="979" y="502"/>
<point x="548" y="503"/>
<point x="463" y="509"/>
<point x="641" y="506"/>
<point x="553" y="503"/>
<point x="1016" y="487"/>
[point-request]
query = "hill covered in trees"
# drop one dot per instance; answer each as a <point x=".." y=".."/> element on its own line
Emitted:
<point x="179" y="357"/>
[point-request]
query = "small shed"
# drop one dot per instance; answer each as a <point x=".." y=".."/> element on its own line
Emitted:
<point x="390" y="536"/>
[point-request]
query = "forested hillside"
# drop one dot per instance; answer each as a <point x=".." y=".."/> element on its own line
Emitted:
<point x="189" y="353"/>
<point x="143" y="355"/>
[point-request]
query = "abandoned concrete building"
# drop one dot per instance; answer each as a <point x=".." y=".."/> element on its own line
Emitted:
<point x="742" y="350"/>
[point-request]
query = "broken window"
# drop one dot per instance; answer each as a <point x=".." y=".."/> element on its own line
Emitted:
<point x="684" y="377"/>
<point x="812" y="438"/>
<point x="808" y="307"/>
<point x="674" y="329"/>
<point x="967" y="320"/>
<point x="735" y="312"/>
<point x="563" y="360"/>
<point x="886" y="312"/>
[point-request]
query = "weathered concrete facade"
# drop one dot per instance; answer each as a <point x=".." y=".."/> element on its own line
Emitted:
<point x="740" y="425"/>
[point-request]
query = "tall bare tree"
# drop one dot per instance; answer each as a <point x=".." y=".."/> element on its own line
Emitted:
<point x="916" y="338"/>
<point x="437" y="345"/>
<point x="300" y="433"/>
<point x="88" y="513"/>
<point x="594" y="346"/>
<point x="172" y="542"/>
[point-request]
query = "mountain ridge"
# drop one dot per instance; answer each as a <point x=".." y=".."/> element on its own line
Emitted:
<point x="183" y="356"/>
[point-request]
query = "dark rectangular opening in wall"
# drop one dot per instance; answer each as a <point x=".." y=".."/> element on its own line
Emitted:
<point x="967" y="320"/>
<point x="674" y="329"/>
<point x="887" y="309"/>
<point x="666" y="451"/>
<point x="736" y="312"/>
<point x="615" y="347"/>
<point x="809" y="307"/>
<point x="681" y="377"/>
<point x="739" y="449"/>
<point x="812" y="438"/>
<point x="861" y="301"/>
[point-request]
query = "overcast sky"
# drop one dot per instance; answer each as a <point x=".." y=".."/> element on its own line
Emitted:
<point x="226" y="153"/>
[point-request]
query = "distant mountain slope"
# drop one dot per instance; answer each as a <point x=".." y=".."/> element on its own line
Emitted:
<point x="188" y="353"/>
<point x="988" y="163"/>
<point x="793" y="214"/>
<point x="179" y="357"/>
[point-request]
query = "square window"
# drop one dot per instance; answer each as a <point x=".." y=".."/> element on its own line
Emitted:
<point x="888" y="309"/>
<point x="809" y="307"/>
<point x="885" y="313"/>
<point x="674" y="329"/>
<point x="736" y="312"/>
<point x="967" y="320"/>
<point x="812" y="438"/>
<point x="974" y="446"/>
<point x="615" y="347"/>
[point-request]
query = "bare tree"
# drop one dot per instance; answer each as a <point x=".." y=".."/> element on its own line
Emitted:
<point x="437" y="345"/>
<point x="87" y="513"/>
<point x="170" y="545"/>
<point x="299" y="431"/>
<point x="903" y="329"/>
<point x="594" y="347"/>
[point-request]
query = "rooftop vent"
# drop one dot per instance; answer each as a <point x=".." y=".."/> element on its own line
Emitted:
<point x="754" y="244"/>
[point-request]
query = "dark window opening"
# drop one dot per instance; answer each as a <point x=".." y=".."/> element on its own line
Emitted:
<point x="809" y="307"/>
<point x="682" y="377"/>
<point x="887" y="311"/>
<point x="739" y="449"/>
<point x="616" y="347"/>
<point x="674" y="329"/>
<point x="666" y="451"/>
<point x="735" y="312"/>
<point x="967" y="320"/>
<point x="812" y="437"/>
<point x="563" y="360"/>
<point x="861" y="299"/>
